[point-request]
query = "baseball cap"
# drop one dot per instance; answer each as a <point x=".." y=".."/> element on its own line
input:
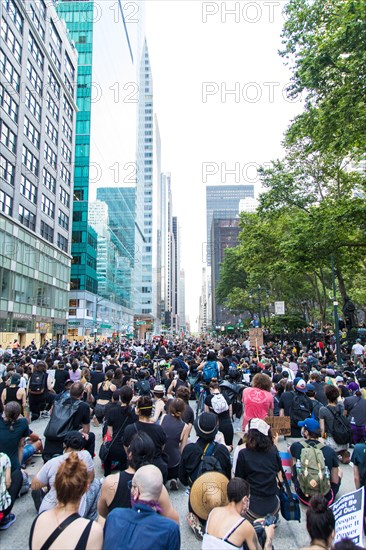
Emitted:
<point x="257" y="424"/>
<point x="339" y="379"/>
<point x="310" y="387"/>
<point x="310" y="424"/>
<point x="300" y="385"/>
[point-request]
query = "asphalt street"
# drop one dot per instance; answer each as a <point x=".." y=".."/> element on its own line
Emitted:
<point x="288" y="536"/>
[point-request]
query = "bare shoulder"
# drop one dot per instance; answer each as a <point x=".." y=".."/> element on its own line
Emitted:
<point x="95" y="540"/>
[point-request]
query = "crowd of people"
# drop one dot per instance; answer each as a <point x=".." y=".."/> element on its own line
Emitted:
<point x="139" y="396"/>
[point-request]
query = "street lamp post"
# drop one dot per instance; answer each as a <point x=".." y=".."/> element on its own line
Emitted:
<point x="259" y="307"/>
<point x="335" y="312"/>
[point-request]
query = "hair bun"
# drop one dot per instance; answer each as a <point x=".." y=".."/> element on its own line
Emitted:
<point x="318" y="504"/>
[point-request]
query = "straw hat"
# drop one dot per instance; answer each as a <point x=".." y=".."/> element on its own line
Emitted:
<point x="207" y="492"/>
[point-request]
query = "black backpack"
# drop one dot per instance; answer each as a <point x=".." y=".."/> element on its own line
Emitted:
<point x="62" y="417"/>
<point x="37" y="383"/>
<point x="300" y="409"/>
<point x="207" y="463"/>
<point x="342" y="432"/>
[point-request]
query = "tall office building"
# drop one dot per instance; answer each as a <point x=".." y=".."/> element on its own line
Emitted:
<point x="222" y="202"/>
<point x="97" y="29"/>
<point x="224" y="234"/>
<point x="79" y="16"/>
<point x="114" y="274"/>
<point x="175" y="263"/>
<point x="182" y="301"/>
<point x="143" y="305"/>
<point x="164" y="208"/>
<point x="202" y="315"/>
<point x="121" y="206"/>
<point x="37" y="106"/>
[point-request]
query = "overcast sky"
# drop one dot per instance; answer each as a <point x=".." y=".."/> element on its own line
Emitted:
<point x="199" y="53"/>
<point x="196" y="58"/>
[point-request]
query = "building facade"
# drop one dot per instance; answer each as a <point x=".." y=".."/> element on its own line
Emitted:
<point x="121" y="226"/>
<point x="143" y="302"/>
<point x="38" y="68"/>
<point x="224" y="234"/>
<point x="222" y="202"/>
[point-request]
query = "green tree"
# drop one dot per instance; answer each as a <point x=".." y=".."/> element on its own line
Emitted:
<point x="324" y="45"/>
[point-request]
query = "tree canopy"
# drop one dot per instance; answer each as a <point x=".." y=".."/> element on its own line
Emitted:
<point x="313" y="205"/>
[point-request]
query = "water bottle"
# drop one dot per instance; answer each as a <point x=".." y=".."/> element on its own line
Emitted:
<point x="298" y="466"/>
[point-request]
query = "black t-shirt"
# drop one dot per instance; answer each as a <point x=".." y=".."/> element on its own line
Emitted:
<point x="188" y="414"/>
<point x="120" y="416"/>
<point x="60" y="378"/>
<point x="319" y="392"/>
<point x="155" y="431"/>
<point x="259" y="470"/>
<point x="286" y="402"/>
<point x="96" y="377"/>
<point x="9" y="439"/>
<point x="225" y="361"/>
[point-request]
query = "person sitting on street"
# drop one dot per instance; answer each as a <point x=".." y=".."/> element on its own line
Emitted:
<point x="326" y="420"/>
<point x="227" y="526"/>
<point x="62" y="526"/>
<point x="116" y="492"/>
<point x="142" y="526"/>
<point x="73" y="442"/>
<point x="322" y="474"/>
<point x="320" y="524"/>
<point x="80" y="421"/>
<point x="194" y="458"/>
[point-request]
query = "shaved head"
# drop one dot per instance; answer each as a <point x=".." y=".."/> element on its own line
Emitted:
<point x="149" y="481"/>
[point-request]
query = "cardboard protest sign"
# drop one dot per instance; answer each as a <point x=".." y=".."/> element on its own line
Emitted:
<point x="279" y="424"/>
<point x="256" y="337"/>
<point x="348" y="513"/>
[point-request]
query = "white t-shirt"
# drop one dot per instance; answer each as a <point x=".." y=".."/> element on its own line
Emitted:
<point x="47" y="475"/>
<point x="357" y="349"/>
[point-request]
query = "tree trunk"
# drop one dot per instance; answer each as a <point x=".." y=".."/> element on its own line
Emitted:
<point x="341" y="283"/>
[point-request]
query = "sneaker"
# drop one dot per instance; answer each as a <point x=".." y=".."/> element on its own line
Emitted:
<point x="7" y="521"/>
<point x="195" y="525"/>
<point x="45" y="414"/>
<point x="174" y="485"/>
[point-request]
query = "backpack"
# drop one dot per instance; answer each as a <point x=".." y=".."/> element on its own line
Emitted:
<point x="300" y="409"/>
<point x="219" y="403"/>
<point x="61" y="421"/>
<point x="210" y="370"/>
<point x="182" y="364"/>
<point x="37" y="383"/>
<point x="208" y="462"/>
<point x="312" y="476"/>
<point x="342" y="433"/>
<point x="144" y="388"/>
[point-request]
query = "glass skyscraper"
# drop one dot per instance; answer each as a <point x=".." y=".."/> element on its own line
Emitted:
<point x="79" y="17"/>
<point x="143" y="303"/>
<point x="121" y="226"/>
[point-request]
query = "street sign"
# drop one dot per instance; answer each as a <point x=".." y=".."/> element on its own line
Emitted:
<point x="140" y="322"/>
<point x="280" y="308"/>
